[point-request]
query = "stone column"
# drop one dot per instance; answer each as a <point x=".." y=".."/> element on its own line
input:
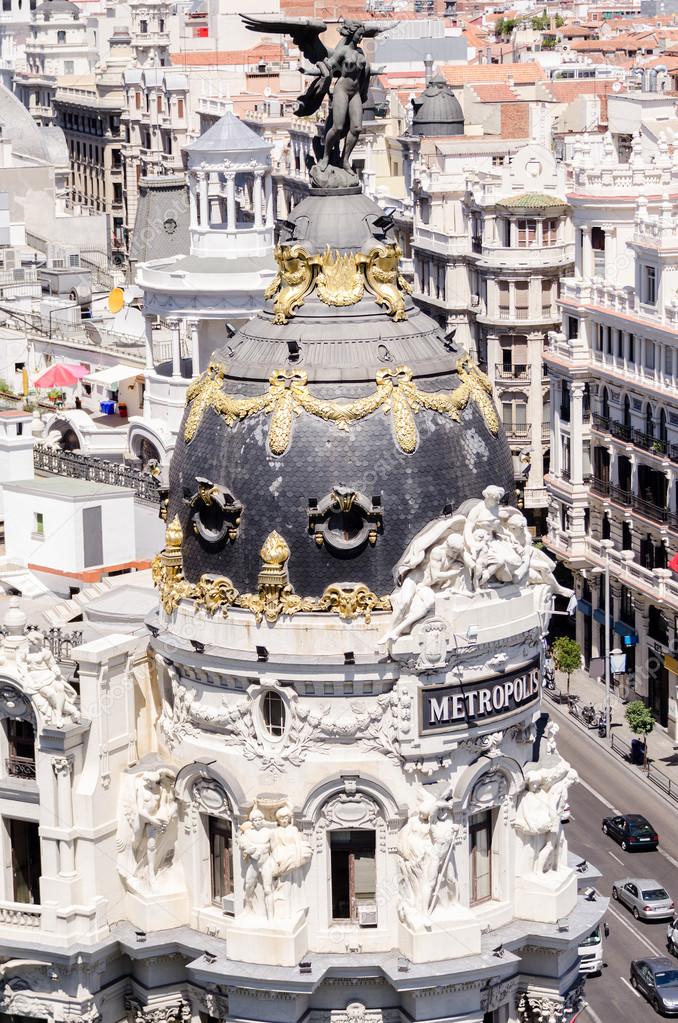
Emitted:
<point x="587" y="254"/>
<point x="535" y="410"/>
<point x="611" y="254"/>
<point x="62" y="767"/>
<point x="634" y="475"/>
<point x="257" y="198"/>
<point x="576" y="433"/>
<point x="193" y="201"/>
<point x="556" y="436"/>
<point x="268" y="192"/>
<point x="175" y="327"/>
<point x="203" y="185"/>
<point x="230" y="201"/>
<point x="614" y="465"/>
<point x="193" y="326"/>
<point x="148" y="347"/>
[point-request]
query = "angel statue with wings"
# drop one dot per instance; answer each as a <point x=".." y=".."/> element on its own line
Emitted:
<point x="347" y="66"/>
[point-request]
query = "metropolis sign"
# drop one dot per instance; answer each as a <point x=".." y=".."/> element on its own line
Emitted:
<point x="459" y="704"/>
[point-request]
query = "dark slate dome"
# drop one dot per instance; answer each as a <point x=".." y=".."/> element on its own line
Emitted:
<point x="48" y="8"/>
<point x="354" y="448"/>
<point x="437" y="112"/>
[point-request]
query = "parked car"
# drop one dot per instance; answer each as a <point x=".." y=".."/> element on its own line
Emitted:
<point x="646" y="899"/>
<point x="672" y="936"/>
<point x="632" y="831"/>
<point x="657" y="979"/>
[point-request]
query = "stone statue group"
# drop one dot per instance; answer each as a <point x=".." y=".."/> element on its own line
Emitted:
<point x="481" y="548"/>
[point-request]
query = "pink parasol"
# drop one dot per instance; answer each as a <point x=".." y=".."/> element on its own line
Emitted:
<point x="61" y="375"/>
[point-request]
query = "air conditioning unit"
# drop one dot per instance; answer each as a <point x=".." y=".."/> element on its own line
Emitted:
<point x="367" y="914"/>
<point x="228" y="905"/>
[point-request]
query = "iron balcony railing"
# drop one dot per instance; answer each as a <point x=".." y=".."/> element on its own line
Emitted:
<point x="75" y="465"/>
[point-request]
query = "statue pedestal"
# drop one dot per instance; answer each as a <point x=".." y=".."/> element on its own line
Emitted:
<point x="253" y="939"/>
<point x="455" y="934"/>
<point x="546" y="898"/>
<point x="158" y="911"/>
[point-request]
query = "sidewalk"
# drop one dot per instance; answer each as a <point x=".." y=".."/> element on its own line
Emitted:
<point x="662" y="751"/>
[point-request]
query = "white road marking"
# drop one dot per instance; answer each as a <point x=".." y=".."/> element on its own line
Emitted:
<point x="614" y="857"/>
<point x="630" y="987"/>
<point x="635" y="932"/>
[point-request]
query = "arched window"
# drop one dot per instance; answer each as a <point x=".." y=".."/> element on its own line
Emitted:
<point x="663" y="436"/>
<point x="606" y="526"/>
<point x="274" y="713"/>
<point x="605" y="404"/>
<point x="627" y="412"/>
<point x="649" y="420"/>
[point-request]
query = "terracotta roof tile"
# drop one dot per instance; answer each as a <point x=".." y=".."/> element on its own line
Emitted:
<point x="496" y="93"/>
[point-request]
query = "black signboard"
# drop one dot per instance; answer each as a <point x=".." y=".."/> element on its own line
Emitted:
<point x="461" y="703"/>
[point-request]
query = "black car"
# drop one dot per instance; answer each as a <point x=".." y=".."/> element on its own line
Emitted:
<point x="657" y="979"/>
<point x="631" y="830"/>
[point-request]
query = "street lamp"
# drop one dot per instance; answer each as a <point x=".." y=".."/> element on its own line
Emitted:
<point x="605" y="571"/>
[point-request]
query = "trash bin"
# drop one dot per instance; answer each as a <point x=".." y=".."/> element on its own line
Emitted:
<point x="637" y="751"/>
<point x="108" y="408"/>
<point x="122" y="408"/>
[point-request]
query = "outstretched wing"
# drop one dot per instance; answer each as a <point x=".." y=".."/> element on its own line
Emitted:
<point x="372" y="29"/>
<point x="305" y="32"/>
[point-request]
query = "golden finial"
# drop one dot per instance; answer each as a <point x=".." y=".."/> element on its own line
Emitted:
<point x="174" y="536"/>
<point x="275" y="550"/>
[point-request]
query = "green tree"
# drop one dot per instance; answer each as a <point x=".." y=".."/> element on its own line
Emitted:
<point x="566" y="656"/>
<point x="641" y="722"/>
<point x="505" y="26"/>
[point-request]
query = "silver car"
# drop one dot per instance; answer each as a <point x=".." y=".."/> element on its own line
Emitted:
<point x="646" y="898"/>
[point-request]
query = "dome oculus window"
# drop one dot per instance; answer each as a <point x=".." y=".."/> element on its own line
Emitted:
<point x="274" y="713"/>
<point x="345" y="520"/>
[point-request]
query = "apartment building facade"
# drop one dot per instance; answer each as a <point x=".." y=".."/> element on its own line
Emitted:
<point x="613" y="480"/>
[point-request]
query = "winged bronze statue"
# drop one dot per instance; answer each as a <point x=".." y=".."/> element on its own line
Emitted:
<point x="347" y="66"/>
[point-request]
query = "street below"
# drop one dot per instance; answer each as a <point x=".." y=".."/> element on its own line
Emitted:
<point x="608" y="786"/>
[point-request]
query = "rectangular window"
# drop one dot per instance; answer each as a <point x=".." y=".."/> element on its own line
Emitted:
<point x="632" y="348"/>
<point x="620" y="344"/>
<point x="38" y="524"/>
<point x="546" y="292"/>
<point x="550" y="232"/>
<point x="24" y="839"/>
<point x="608" y="335"/>
<point x="668" y="361"/>
<point x="159" y="104"/>
<point x="180" y="108"/>
<point x="221" y="858"/>
<point x="649" y="354"/>
<point x="507" y="414"/>
<point x="522" y="300"/>
<point x="527" y="233"/>
<point x="600" y="333"/>
<point x="572" y="328"/>
<point x="650" y="285"/>
<point x="138" y="100"/>
<point x="69" y="67"/>
<point x="480" y="841"/>
<point x="353" y="875"/>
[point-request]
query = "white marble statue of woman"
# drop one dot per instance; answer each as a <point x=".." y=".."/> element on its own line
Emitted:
<point x="42" y="680"/>
<point x="427" y="871"/>
<point x="489" y="545"/>
<point x="536" y="822"/>
<point x="537" y="568"/>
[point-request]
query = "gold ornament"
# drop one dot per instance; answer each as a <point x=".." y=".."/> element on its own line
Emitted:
<point x="384" y="280"/>
<point x="292" y="282"/>
<point x="275" y="594"/>
<point x="339" y="281"/>
<point x="288" y="396"/>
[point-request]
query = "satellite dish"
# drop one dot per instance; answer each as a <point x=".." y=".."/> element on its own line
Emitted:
<point x="616" y="86"/>
<point x="116" y="300"/>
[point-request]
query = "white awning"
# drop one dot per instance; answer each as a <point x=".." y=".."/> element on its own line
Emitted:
<point x="113" y="376"/>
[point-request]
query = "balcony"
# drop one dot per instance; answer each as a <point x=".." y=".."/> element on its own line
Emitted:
<point x="518" y="372"/>
<point x="621" y="300"/>
<point x="644" y="441"/>
<point x="649" y="443"/>
<point x="656" y="513"/>
<point x="515" y="257"/>
<point x="20" y="914"/>
<point x="517" y="431"/>
<point x="20" y="767"/>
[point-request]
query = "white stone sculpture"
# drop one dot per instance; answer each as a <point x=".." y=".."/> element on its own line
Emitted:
<point x="147" y="832"/>
<point x="275" y="857"/>
<point x="539" y="815"/>
<point x="428" y="875"/>
<point x="41" y="678"/>
<point x="479" y="550"/>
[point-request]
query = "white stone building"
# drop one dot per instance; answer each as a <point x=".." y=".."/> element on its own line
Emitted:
<point x="60" y="44"/>
<point x="613" y="477"/>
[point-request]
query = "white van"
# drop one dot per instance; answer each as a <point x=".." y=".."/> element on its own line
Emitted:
<point x="591" y="952"/>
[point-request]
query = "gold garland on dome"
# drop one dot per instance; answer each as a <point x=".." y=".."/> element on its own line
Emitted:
<point x="275" y="594"/>
<point x="288" y="395"/>
<point x="339" y="279"/>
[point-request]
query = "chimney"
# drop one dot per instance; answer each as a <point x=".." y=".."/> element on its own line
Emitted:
<point x="428" y="68"/>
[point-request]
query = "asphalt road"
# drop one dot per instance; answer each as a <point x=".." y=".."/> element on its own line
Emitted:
<point x="609" y="785"/>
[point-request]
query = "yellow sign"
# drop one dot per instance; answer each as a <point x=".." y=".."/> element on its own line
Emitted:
<point x="116" y="300"/>
<point x="24" y="381"/>
<point x="671" y="663"/>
